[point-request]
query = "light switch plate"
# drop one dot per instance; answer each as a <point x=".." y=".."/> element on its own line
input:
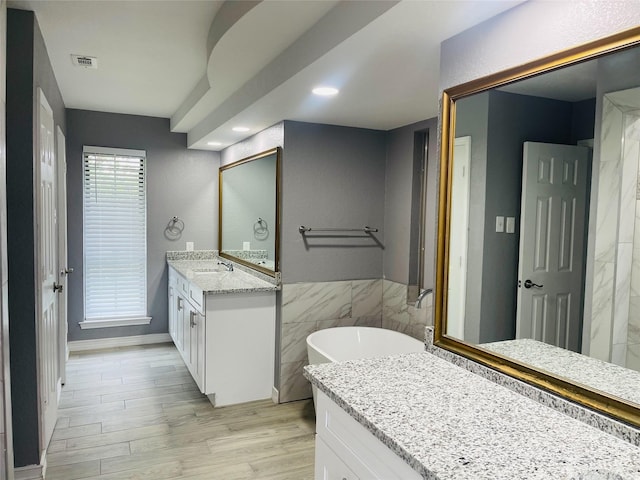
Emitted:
<point x="189" y="246"/>
<point x="511" y="224"/>
<point x="499" y="224"/>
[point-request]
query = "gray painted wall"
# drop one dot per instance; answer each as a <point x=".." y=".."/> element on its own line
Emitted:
<point x="180" y="182"/>
<point x="340" y="176"/>
<point x="397" y="206"/>
<point x="529" y="31"/>
<point x="583" y="120"/>
<point x="333" y="177"/>
<point x="28" y="68"/>
<point x="513" y="120"/>
<point x="472" y="119"/>
<point x="499" y="123"/>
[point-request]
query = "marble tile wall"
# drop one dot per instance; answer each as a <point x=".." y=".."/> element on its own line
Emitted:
<point x="615" y="322"/>
<point x="607" y="214"/>
<point x="629" y="343"/>
<point x="308" y="307"/>
<point x="398" y="316"/>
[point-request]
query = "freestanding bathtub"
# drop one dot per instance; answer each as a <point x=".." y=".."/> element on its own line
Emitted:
<point x="349" y="343"/>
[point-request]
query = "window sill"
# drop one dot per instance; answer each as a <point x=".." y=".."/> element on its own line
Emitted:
<point x="115" y="322"/>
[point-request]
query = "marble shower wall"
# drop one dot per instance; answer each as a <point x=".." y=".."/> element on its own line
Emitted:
<point x="398" y="316"/>
<point x="606" y="232"/>
<point x="308" y="307"/>
<point x="615" y="320"/>
<point x="630" y="336"/>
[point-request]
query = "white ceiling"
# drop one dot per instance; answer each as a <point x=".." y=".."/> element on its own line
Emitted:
<point x="212" y="65"/>
<point x="570" y="84"/>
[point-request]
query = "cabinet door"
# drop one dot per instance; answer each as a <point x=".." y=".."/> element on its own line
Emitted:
<point x="179" y="321"/>
<point x="172" y="312"/>
<point x="197" y="347"/>
<point x="185" y="330"/>
<point x="328" y="465"/>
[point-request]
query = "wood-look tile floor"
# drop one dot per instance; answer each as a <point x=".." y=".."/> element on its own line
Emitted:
<point x="136" y="413"/>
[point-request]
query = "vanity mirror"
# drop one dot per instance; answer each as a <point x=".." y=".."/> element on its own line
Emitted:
<point x="538" y="271"/>
<point x="249" y="218"/>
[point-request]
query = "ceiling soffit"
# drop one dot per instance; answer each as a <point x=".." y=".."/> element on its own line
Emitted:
<point x="215" y="100"/>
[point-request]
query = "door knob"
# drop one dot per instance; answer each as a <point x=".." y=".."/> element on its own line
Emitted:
<point x="66" y="271"/>
<point x="57" y="288"/>
<point x="528" y="284"/>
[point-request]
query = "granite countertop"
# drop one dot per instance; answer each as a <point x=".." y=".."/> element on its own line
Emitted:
<point x="591" y="372"/>
<point x="211" y="277"/>
<point x="448" y="423"/>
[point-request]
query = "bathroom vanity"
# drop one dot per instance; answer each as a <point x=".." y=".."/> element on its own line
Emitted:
<point x="417" y="416"/>
<point x="223" y="324"/>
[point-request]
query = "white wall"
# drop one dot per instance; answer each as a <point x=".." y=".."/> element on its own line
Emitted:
<point x="530" y="31"/>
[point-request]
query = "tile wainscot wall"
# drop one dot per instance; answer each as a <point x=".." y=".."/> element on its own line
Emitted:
<point x="308" y="307"/>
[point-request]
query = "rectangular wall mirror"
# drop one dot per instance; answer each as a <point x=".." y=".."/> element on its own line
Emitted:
<point x="249" y="218"/>
<point x="539" y="234"/>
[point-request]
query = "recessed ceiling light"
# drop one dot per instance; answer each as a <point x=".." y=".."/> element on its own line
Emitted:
<point x="214" y="144"/>
<point x="325" y="91"/>
<point x="240" y="129"/>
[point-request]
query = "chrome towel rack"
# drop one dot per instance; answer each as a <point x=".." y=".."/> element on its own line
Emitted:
<point x="302" y="229"/>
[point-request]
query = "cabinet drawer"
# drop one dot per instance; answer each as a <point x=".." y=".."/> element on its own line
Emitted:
<point x="196" y="297"/>
<point x="183" y="286"/>
<point x="328" y="466"/>
<point x="363" y="453"/>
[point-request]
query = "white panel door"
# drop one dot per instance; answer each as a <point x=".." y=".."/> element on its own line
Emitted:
<point x="47" y="322"/>
<point x="458" y="243"/>
<point x="552" y="221"/>
<point x="63" y="270"/>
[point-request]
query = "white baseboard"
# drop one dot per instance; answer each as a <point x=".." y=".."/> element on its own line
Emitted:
<point x="101" y="343"/>
<point x="30" y="472"/>
<point x="275" y="395"/>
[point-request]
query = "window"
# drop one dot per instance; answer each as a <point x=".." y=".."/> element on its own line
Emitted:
<point x="115" y="238"/>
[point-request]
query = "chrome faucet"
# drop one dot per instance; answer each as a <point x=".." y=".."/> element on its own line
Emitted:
<point x="229" y="265"/>
<point x="423" y="294"/>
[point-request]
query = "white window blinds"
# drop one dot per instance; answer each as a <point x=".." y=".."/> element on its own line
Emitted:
<point x="115" y="236"/>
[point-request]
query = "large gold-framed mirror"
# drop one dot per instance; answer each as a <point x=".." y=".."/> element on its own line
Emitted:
<point x="249" y="211"/>
<point x="538" y="263"/>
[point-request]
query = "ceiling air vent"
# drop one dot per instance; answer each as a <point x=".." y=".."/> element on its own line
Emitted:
<point x="84" y="61"/>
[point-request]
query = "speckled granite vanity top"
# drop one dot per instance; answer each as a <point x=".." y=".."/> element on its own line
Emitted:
<point x="603" y="376"/>
<point x="448" y="423"/>
<point x="211" y="277"/>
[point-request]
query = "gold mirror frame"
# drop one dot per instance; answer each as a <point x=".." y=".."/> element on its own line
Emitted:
<point x="275" y="272"/>
<point x="609" y="405"/>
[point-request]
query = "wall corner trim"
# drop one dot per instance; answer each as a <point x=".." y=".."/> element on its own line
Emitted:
<point x="103" y="343"/>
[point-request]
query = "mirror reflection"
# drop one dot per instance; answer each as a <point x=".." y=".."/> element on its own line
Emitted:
<point x="416" y="281"/>
<point x="249" y="211"/>
<point x="544" y="242"/>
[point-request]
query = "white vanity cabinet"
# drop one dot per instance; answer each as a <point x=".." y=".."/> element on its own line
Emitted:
<point x="227" y="340"/>
<point x="173" y="304"/>
<point x="345" y="450"/>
